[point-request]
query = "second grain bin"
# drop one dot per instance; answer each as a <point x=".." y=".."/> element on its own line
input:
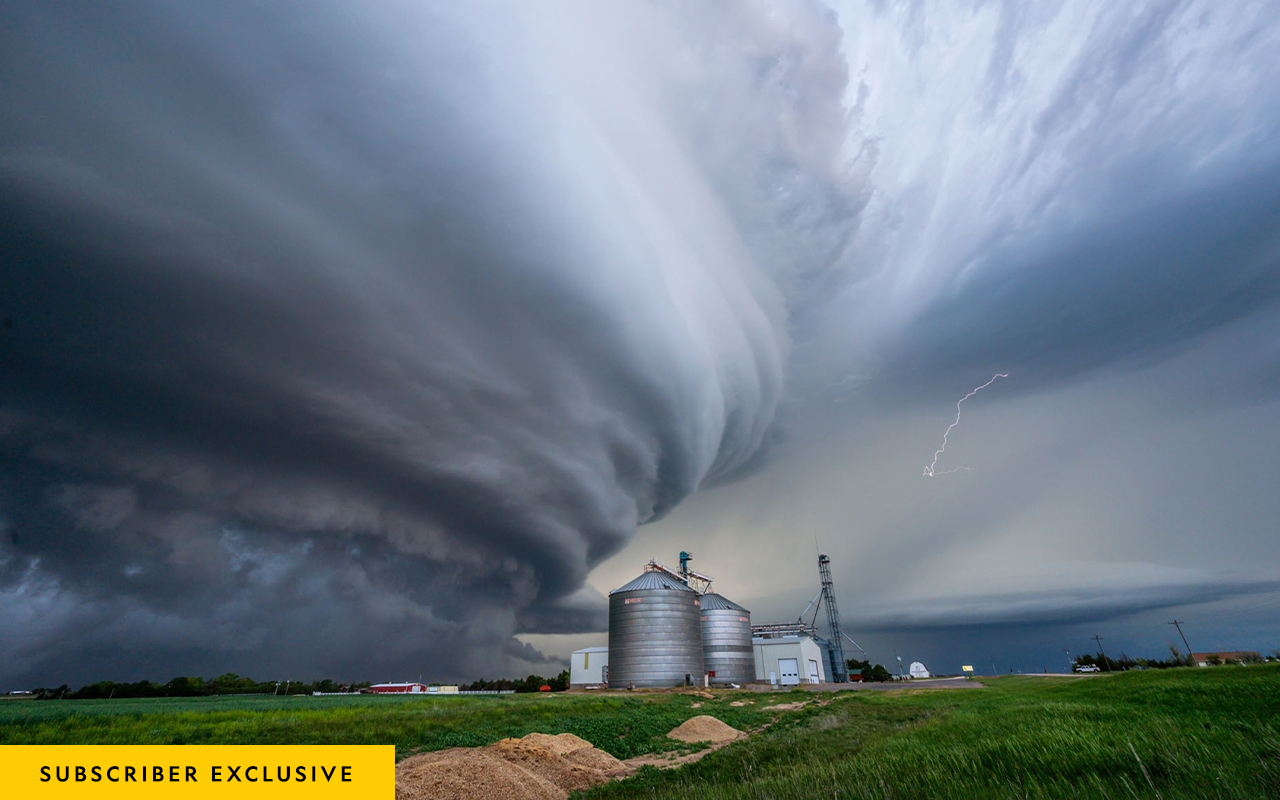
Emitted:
<point x="655" y="632"/>
<point x="726" y="641"/>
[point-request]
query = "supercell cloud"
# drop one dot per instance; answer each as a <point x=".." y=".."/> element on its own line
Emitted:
<point x="346" y="340"/>
<point x="351" y="338"/>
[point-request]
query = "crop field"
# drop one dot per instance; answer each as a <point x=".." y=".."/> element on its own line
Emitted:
<point x="1159" y="734"/>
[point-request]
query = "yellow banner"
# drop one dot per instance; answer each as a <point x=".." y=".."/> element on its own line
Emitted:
<point x="352" y="772"/>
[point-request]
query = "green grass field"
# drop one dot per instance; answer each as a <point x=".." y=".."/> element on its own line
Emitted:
<point x="624" y="725"/>
<point x="1166" y="734"/>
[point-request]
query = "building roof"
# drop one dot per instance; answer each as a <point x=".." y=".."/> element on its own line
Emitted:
<point x="779" y="639"/>
<point x="592" y="650"/>
<point x="790" y="639"/>
<point x="712" y="601"/>
<point x="1225" y="655"/>
<point x="652" y="580"/>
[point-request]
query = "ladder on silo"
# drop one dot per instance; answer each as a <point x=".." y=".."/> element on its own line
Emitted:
<point x="839" y="668"/>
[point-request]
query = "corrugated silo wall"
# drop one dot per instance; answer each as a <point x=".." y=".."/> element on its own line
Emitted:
<point x="726" y="645"/>
<point x="655" y="638"/>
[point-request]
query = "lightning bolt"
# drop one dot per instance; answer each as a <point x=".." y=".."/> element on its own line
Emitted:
<point x="930" y="470"/>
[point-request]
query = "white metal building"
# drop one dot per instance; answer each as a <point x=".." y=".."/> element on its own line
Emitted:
<point x="411" y="688"/>
<point x="398" y="688"/>
<point x="918" y="670"/>
<point x="589" y="667"/>
<point x="790" y="659"/>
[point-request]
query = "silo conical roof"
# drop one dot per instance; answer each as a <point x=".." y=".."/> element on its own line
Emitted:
<point x="653" y="580"/>
<point x="713" y="601"/>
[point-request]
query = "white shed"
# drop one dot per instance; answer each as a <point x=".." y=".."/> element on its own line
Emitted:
<point x="589" y="667"/>
<point x="790" y="660"/>
<point x="919" y="670"/>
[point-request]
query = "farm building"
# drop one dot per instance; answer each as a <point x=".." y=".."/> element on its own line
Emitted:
<point x="789" y="654"/>
<point x="1227" y="657"/>
<point x="667" y="628"/>
<point x="918" y="670"/>
<point x="588" y="667"/>
<point x="411" y="688"/>
<point x="655" y="631"/>
<point x="398" y="688"/>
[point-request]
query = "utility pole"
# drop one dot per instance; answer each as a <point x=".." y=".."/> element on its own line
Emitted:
<point x="1105" y="665"/>
<point x="1069" y="665"/>
<point x="1177" y="623"/>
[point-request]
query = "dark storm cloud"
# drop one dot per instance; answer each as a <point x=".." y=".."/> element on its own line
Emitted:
<point x="350" y="339"/>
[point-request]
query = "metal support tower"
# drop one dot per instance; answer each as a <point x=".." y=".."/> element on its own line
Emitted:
<point x="839" y="669"/>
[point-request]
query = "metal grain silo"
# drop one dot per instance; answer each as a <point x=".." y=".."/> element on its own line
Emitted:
<point x="655" y="632"/>
<point x="726" y="641"/>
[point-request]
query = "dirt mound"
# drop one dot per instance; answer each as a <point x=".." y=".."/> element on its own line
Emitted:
<point x="598" y="760"/>
<point x="536" y="767"/>
<point x="463" y="773"/>
<point x="787" y="706"/>
<point x="562" y="744"/>
<point x="705" y="729"/>
<point x="547" y="764"/>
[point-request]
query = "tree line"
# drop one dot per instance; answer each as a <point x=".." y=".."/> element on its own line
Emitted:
<point x="1176" y="659"/>
<point x="231" y="683"/>
<point x="870" y="674"/>
<point x="184" y="686"/>
<point x="532" y="683"/>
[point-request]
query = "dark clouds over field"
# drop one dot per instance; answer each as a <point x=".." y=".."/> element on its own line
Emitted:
<point x="348" y="341"/>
